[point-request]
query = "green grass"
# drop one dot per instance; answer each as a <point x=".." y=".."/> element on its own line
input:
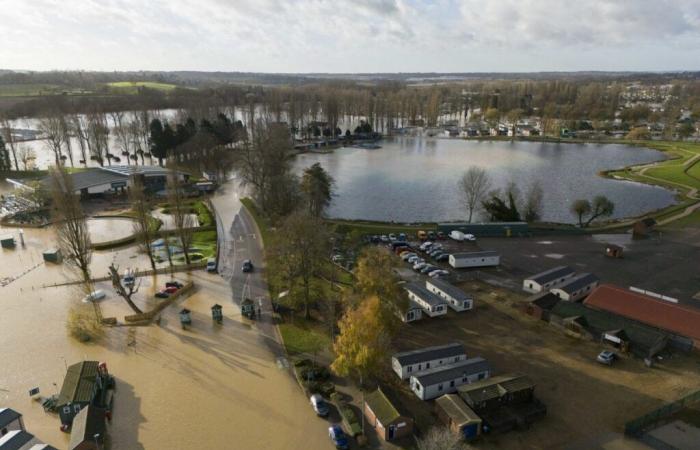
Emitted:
<point x="262" y="222"/>
<point x="132" y="87"/>
<point x="205" y="243"/>
<point x="303" y="337"/>
<point x="27" y="90"/>
<point x="204" y="215"/>
<point x="692" y="220"/>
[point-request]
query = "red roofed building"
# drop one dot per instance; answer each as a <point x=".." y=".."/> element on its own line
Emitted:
<point x="668" y="316"/>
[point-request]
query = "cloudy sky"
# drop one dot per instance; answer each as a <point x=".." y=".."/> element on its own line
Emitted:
<point x="350" y="35"/>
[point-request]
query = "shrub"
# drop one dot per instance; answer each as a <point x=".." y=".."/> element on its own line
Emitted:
<point x="83" y="325"/>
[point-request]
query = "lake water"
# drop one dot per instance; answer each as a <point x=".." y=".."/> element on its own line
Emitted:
<point x="415" y="179"/>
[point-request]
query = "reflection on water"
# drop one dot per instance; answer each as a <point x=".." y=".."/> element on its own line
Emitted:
<point x="415" y="179"/>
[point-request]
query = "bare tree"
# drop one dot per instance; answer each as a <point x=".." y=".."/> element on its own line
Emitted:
<point x="442" y="438"/>
<point x="52" y="129"/>
<point x="98" y="137"/>
<point x="6" y="133"/>
<point x="181" y="211"/>
<point x="532" y="209"/>
<point x="122" y="133"/>
<point x="66" y="134"/>
<point x="474" y="186"/>
<point x="125" y="292"/>
<point x="25" y="154"/>
<point x="79" y="129"/>
<point x="142" y="225"/>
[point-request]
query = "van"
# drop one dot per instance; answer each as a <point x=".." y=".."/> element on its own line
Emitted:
<point x="457" y="235"/>
<point x="211" y="265"/>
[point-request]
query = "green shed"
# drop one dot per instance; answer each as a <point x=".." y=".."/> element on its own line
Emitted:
<point x="7" y="241"/>
<point x="52" y="255"/>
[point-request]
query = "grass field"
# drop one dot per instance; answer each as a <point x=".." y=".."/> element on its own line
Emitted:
<point x="303" y="337"/>
<point x="24" y="90"/>
<point x="673" y="172"/>
<point x="131" y="87"/>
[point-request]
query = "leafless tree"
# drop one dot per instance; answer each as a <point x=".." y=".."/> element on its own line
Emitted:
<point x="66" y="133"/>
<point x="25" y="154"/>
<point x="125" y="292"/>
<point x="442" y="438"/>
<point x="122" y="133"/>
<point x="52" y="129"/>
<point x="474" y="185"/>
<point x="6" y="133"/>
<point x="532" y="209"/>
<point x="98" y="137"/>
<point x="142" y="225"/>
<point x="181" y="212"/>
<point x="79" y="128"/>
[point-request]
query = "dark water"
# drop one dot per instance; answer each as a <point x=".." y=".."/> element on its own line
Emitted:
<point x="415" y="179"/>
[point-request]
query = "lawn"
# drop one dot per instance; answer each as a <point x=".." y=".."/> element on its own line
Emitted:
<point x="303" y="337"/>
<point x="26" y="90"/>
<point x="132" y="87"/>
<point x="204" y="215"/>
<point x="262" y="222"/>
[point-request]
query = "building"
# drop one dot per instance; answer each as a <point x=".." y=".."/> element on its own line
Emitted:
<point x="576" y="287"/>
<point x="458" y="417"/>
<point x="490" y="229"/>
<point x="86" y="383"/>
<point x="475" y="259"/>
<point x="455" y="297"/>
<point x="539" y="305"/>
<point x="7" y="241"/>
<point x="680" y="320"/>
<point x="429" y="302"/>
<point x="446" y="379"/>
<point x="546" y="280"/>
<point x="10" y="420"/>
<point x="385" y="418"/>
<point x="644" y="227"/>
<point x="413" y="313"/>
<point x="88" y="431"/>
<point x="406" y="364"/>
<point x="614" y="251"/>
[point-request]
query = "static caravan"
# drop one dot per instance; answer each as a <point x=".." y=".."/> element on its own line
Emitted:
<point x="413" y="313"/>
<point x="475" y="259"/>
<point x="432" y="304"/>
<point x="576" y="288"/>
<point x="548" y="279"/>
<point x="445" y="380"/>
<point x="406" y="364"/>
<point x="455" y="297"/>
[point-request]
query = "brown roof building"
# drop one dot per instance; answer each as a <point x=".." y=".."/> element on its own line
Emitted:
<point x="668" y="316"/>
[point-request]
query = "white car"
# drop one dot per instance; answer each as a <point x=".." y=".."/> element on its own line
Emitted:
<point x="413" y="259"/>
<point x="94" y="296"/>
<point x="469" y="237"/>
<point x="425" y="246"/>
<point x="407" y="256"/>
<point x="211" y="265"/>
<point x="438" y="273"/>
<point x="319" y="405"/>
<point x="419" y="265"/>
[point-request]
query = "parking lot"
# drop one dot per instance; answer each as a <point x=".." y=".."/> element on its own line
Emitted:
<point x="584" y="399"/>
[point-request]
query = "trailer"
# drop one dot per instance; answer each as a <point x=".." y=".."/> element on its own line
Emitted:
<point x="475" y="259"/>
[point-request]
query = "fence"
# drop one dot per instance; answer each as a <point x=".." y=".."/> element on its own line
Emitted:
<point x="636" y="427"/>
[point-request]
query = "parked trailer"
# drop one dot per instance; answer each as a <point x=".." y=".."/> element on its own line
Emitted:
<point x="474" y="259"/>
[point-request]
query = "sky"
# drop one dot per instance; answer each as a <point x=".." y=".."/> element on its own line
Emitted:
<point x="350" y="36"/>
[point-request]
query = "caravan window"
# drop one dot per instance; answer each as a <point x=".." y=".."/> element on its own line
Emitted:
<point x="410" y="369"/>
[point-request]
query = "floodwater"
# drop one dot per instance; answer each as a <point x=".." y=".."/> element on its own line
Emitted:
<point x="169" y="220"/>
<point x="210" y="386"/>
<point x="416" y="179"/>
<point x="103" y="229"/>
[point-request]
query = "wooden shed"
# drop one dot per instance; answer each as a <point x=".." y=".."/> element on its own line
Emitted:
<point x="385" y="418"/>
<point x="88" y="431"/>
<point x="613" y="251"/>
<point x="458" y="416"/>
<point x="644" y="228"/>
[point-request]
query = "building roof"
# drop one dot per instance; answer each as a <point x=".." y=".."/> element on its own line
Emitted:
<point x="451" y="371"/>
<point x="15" y="440"/>
<point x="8" y="415"/>
<point x="576" y="282"/>
<point x="382" y="407"/>
<point x="424" y="294"/>
<point x="551" y="274"/>
<point x="137" y="170"/>
<point x="78" y="386"/>
<point x="88" y="178"/>
<point x="430" y="353"/>
<point x="545" y="300"/>
<point x="493" y="387"/>
<point x="678" y="319"/>
<point x="86" y="424"/>
<point x="459" y="412"/>
<point x="449" y="289"/>
<point x="484" y="254"/>
<point x="413" y="305"/>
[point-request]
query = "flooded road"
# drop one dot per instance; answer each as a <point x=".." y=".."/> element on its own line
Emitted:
<point x="209" y="386"/>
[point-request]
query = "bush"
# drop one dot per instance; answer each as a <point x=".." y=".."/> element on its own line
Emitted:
<point x="83" y="325"/>
<point x="350" y="419"/>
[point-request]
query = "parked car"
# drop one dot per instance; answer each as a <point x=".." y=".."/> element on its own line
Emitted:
<point x="425" y="245"/>
<point x="413" y="259"/>
<point x="419" y="265"/>
<point x="338" y="437"/>
<point x="442" y="257"/>
<point x="384" y="238"/>
<point x="374" y="239"/>
<point x="469" y="237"/>
<point x="129" y="278"/>
<point x="428" y="268"/>
<point x="163" y="293"/>
<point x="211" y="265"/>
<point x="407" y="255"/>
<point x="173" y="283"/>
<point x="337" y="258"/>
<point x="404" y="251"/>
<point x="441" y="235"/>
<point x="431" y="235"/>
<point x="319" y="405"/>
<point x="457" y="235"/>
<point x="606" y="357"/>
<point x="435" y="252"/>
<point x="171" y="289"/>
<point x="95" y="295"/>
<point x="438" y="273"/>
<point x="392" y="237"/>
<point x="247" y="266"/>
<point x="402" y="237"/>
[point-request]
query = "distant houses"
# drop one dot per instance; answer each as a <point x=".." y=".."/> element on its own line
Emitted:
<point x="14" y="436"/>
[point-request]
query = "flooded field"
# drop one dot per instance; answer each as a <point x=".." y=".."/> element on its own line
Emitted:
<point x="205" y="387"/>
<point x="104" y="229"/>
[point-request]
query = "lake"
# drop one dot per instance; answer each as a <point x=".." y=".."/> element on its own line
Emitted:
<point x="414" y="179"/>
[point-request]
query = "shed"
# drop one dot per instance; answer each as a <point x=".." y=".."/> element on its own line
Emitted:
<point x="458" y="416"/>
<point x="385" y="418"/>
<point x="80" y="388"/>
<point x="455" y="297"/>
<point x="88" y="429"/>
<point x="474" y="259"/>
<point x="539" y="305"/>
<point x="431" y="303"/>
<point x="614" y="251"/>
<point x="576" y="288"/>
<point x="10" y="420"/>
<point x="546" y="280"/>
<point x="498" y="391"/>
<point x="7" y="241"/>
<point x="408" y="363"/>
<point x="445" y="379"/>
<point x="52" y="255"/>
<point x="217" y="313"/>
<point x="644" y="227"/>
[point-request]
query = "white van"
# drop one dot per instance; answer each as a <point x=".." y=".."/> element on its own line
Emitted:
<point x="457" y="235"/>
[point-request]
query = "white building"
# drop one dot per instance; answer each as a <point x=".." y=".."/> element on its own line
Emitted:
<point x="413" y="313"/>
<point x="455" y="297"/>
<point x="408" y="363"/>
<point x="445" y="380"/>
<point x="548" y="279"/>
<point x="10" y="420"/>
<point x="576" y="288"/>
<point x="431" y="303"/>
<point x="475" y="259"/>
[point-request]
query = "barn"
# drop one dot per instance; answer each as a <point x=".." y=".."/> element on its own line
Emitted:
<point x="385" y="418"/>
<point x="546" y="280"/>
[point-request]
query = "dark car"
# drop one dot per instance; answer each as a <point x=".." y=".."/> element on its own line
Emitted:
<point x="247" y="266"/>
<point x="402" y="237"/>
<point x="163" y="294"/>
<point x="374" y="239"/>
<point x="429" y="268"/>
<point x="443" y="257"/>
<point x="338" y="437"/>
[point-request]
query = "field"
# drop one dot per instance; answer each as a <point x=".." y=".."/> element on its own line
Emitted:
<point x="131" y="87"/>
<point x="583" y="398"/>
<point x="26" y="90"/>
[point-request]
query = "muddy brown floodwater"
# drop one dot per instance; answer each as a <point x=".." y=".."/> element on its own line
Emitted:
<point x="210" y="386"/>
